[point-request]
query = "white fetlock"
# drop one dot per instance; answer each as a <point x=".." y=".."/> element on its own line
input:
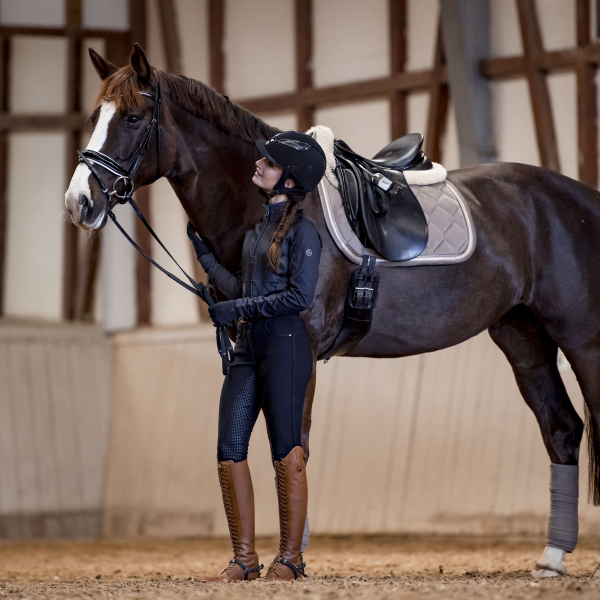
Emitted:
<point x="550" y="564"/>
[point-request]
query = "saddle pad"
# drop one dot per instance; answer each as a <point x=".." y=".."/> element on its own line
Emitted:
<point x="452" y="238"/>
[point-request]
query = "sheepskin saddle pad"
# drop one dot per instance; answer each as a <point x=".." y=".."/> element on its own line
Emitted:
<point x="449" y="232"/>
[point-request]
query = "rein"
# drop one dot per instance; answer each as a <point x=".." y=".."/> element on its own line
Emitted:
<point x="92" y="157"/>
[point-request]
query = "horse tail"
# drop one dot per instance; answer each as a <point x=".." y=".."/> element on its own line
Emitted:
<point x="594" y="456"/>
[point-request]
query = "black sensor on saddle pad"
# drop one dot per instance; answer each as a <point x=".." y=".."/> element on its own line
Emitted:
<point x="380" y="206"/>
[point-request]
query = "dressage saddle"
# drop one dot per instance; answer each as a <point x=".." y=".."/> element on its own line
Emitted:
<point x="380" y="206"/>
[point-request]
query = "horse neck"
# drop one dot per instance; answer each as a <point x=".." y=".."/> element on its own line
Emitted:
<point x="212" y="179"/>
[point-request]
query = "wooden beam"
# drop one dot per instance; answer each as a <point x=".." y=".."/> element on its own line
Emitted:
<point x="538" y="87"/>
<point x="216" y="33"/>
<point x="137" y="15"/>
<point x="24" y="123"/>
<point x="557" y="61"/>
<point x="398" y="54"/>
<point x="4" y="107"/>
<point x="587" y="111"/>
<point x="304" y="50"/>
<point x="170" y="36"/>
<point x="87" y="277"/>
<point x="438" y="104"/>
<point x="342" y="94"/>
<point x="74" y="78"/>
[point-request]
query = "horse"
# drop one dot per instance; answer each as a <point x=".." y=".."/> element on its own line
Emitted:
<point x="533" y="281"/>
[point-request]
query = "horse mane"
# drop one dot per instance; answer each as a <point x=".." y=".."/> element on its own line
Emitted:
<point x="193" y="96"/>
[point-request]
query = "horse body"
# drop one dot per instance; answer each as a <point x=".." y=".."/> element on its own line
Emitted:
<point x="533" y="280"/>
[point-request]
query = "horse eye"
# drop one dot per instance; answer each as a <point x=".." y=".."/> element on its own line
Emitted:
<point x="133" y="119"/>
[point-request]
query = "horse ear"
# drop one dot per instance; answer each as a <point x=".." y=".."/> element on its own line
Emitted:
<point x="140" y="64"/>
<point x="103" y="67"/>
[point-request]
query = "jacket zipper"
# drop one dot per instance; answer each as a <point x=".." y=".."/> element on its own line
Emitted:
<point x="258" y="240"/>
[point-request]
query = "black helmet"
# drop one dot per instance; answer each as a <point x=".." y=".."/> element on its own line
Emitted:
<point x="301" y="158"/>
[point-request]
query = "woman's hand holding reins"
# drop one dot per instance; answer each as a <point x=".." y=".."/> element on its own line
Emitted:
<point x="223" y="313"/>
<point x="199" y="246"/>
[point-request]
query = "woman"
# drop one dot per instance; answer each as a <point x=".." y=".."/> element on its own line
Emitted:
<point x="273" y="359"/>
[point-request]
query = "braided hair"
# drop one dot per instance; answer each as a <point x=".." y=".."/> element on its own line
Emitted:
<point x="284" y="225"/>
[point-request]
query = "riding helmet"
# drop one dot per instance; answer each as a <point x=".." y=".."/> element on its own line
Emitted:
<point x="301" y="158"/>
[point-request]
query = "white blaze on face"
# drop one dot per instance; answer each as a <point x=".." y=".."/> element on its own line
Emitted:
<point x="80" y="182"/>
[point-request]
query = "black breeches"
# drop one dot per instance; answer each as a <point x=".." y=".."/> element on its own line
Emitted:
<point x="271" y="370"/>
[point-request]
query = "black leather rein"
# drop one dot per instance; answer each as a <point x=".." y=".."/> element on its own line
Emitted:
<point x="92" y="157"/>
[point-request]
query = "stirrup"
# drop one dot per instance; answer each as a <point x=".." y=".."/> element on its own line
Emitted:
<point x="233" y="561"/>
<point x="294" y="568"/>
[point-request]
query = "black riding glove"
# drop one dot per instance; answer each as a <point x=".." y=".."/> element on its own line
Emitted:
<point x="199" y="246"/>
<point x="223" y="313"/>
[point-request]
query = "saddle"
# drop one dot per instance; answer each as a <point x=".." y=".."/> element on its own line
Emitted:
<point x="380" y="206"/>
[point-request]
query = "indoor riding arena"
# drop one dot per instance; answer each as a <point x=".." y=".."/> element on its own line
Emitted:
<point x="438" y="468"/>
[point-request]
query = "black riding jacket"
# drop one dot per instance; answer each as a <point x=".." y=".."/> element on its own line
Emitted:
<point x="260" y="293"/>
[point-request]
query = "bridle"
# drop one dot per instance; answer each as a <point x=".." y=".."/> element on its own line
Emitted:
<point x="126" y="175"/>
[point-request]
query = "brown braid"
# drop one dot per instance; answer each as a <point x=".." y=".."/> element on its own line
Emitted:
<point x="283" y="227"/>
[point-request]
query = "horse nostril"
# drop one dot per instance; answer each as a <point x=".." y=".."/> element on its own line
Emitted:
<point x="85" y="207"/>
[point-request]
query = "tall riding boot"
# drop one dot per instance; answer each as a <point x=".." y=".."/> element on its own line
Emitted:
<point x="238" y="499"/>
<point x="292" y="491"/>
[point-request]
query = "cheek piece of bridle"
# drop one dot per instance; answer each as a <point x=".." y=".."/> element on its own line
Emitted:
<point x="125" y="179"/>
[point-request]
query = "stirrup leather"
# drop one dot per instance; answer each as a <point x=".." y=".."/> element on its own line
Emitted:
<point x="233" y="561"/>
<point x="294" y="568"/>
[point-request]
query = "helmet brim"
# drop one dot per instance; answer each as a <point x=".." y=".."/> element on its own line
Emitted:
<point x="262" y="148"/>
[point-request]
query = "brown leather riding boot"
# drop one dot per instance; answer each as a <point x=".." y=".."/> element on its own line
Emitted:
<point x="238" y="499"/>
<point x="292" y="491"/>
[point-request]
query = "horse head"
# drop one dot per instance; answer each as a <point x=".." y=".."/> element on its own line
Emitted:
<point x="128" y="136"/>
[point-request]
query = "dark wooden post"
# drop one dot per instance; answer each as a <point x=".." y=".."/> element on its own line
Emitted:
<point x="71" y="233"/>
<point x="398" y="98"/>
<point x="304" y="71"/>
<point x="216" y="28"/>
<point x="4" y="108"/>
<point x="438" y="103"/>
<point x="538" y="86"/>
<point x="587" y="112"/>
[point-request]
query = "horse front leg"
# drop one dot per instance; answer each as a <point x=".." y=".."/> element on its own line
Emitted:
<point x="532" y="354"/>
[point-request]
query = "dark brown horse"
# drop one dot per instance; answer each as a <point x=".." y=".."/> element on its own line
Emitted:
<point x="533" y="281"/>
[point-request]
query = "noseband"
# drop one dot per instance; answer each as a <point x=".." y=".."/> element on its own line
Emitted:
<point x="126" y="175"/>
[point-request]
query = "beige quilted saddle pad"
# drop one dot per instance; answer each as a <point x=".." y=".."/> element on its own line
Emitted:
<point x="452" y="238"/>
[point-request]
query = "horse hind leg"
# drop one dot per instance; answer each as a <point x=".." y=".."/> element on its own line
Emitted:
<point x="532" y="354"/>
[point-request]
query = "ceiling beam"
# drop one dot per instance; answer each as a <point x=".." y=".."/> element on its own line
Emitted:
<point x="344" y="93"/>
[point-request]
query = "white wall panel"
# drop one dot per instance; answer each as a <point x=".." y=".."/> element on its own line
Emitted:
<point x="423" y="18"/>
<point x="192" y="18"/>
<point x="38" y="74"/>
<point x="33" y="13"/>
<point x="283" y="121"/>
<point x="365" y="127"/>
<point x="34" y="258"/>
<point x="563" y="96"/>
<point x="558" y="23"/>
<point x="418" y="107"/>
<point x="90" y="82"/>
<point x="450" y="147"/>
<point x="154" y="50"/>
<point x="351" y="41"/>
<point x="259" y="47"/>
<point x="105" y="14"/>
<point x="171" y="304"/>
<point x="505" y="34"/>
<point x="119" y="293"/>
<point x="513" y="122"/>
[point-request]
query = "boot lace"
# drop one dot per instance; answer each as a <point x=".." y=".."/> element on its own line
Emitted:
<point x="282" y="488"/>
<point x="232" y="521"/>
